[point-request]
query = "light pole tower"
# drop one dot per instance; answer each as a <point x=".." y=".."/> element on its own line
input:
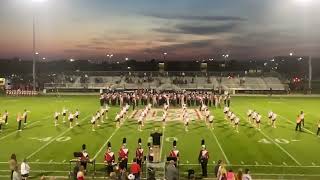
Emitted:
<point x="34" y="53"/>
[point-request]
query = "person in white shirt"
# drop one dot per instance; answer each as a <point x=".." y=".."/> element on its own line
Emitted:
<point x="270" y="116"/>
<point x="70" y="117"/>
<point x="232" y="117"/>
<point x="164" y="118"/>
<point x="56" y="117"/>
<point x="273" y="120"/>
<point x="25" y="116"/>
<point x="211" y="117"/>
<point x="226" y="110"/>
<point x="249" y="114"/>
<point x="98" y="116"/>
<point x="93" y="122"/>
<point x="258" y="121"/>
<point x="76" y="114"/>
<point x="236" y="124"/>
<point x="253" y="116"/>
<point x="25" y="170"/>
<point x="246" y="175"/>
<point x="117" y="119"/>
<point x="64" y="114"/>
<point x="302" y="118"/>
<point x="140" y="119"/>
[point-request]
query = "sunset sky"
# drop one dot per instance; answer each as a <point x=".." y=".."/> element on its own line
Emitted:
<point x="144" y="29"/>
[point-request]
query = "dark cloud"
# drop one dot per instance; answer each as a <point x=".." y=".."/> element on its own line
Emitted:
<point x="201" y="18"/>
<point x="198" y="30"/>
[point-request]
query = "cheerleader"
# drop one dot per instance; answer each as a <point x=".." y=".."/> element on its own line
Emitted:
<point x="140" y="119"/>
<point x="211" y="117"/>
<point x="232" y="117"/>
<point x="93" y="122"/>
<point x="76" y="114"/>
<point x="273" y="120"/>
<point x="164" y="117"/>
<point x="226" y="110"/>
<point x="249" y="115"/>
<point x="5" y="117"/>
<point x="253" y="116"/>
<point x="70" y="118"/>
<point x="270" y="114"/>
<point x="56" y="117"/>
<point x="102" y="112"/>
<point x="258" y="121"/>
<point x="106" y="109"/>
<point x="236" y="124"/>
<point x="117" y="119"/>
<point x="64" y="114"/>
<point x="97" y="118"/>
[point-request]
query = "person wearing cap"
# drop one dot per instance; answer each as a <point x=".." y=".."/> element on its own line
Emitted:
<point x="109" y="159"/>
<point x="123" y="155"/>
<point x="139" y="153"/>
<point x="84" y="159"/>
<point x="174" y="153"/>
<point x="203" y="158"/>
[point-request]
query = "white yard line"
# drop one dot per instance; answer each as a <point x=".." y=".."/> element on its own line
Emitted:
<point x="280" y="147"/>
<point x="14" y="132"/>
<point x="53" y="139"/>
<point x="113" y="133"/>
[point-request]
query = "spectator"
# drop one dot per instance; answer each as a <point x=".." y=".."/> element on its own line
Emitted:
<point x="239" y="175"/>
<point x="217" y="168"/>
<point x="13" y="164"/>
<point x="135" y="169"/>
<point x="84" y="159"/>
<point x="230" y="175"/>
<point x="80" y="174"/>
<point x="76" y="170"/>
<point x="222" y="174"/>
<point x="246" y="175"/>
<point x="25" y="169"/>
<point x="113" y="176"/>
<point x="15" y="174"/>
<point x="172" y="171"/>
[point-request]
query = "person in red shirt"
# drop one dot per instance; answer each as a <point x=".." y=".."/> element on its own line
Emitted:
<point x="109" y="159"/>
<point x="139" y="153"/>
<point x="135" y="169"/>
<point x="123" y="155"/>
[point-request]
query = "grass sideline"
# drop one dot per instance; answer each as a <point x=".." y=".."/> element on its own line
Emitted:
<point x="269" y="153"/>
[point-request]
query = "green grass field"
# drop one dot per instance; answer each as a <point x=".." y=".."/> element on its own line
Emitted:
<point x="279" y="153"/>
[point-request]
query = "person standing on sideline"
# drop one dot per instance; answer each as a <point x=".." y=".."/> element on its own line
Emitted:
<point x="156" y="139"/>
<point x="80" y="173"/>
<point x="217" y="168"/>
<point x="203" y="158"/>
<point x="13" y="164"/>
<point x="246" y="175"/>
<point x="135" y="169"/>
<point x="15" y="174"/>
<point x="25" y="116"/>
<point x="302" y="118"/>
<point x="6" y="116"/>
<point x="25" y="169"/>
<point x="1" y="122"/>
<point x="298" y="126"/>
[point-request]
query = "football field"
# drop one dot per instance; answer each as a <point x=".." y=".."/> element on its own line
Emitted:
<point x="269" y="153"/>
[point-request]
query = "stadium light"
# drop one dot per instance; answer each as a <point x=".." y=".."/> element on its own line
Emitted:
<point x="44" y="58"/>
<point x="291" y="54"/>
<point x="71" y="60"/>
<point x="126" y="58"/>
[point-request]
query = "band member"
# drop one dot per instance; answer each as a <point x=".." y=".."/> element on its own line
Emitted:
<point x="109" y="159"/>
<point x="302" y="118"/>
<point x="203" y="158"/>
<point x="258" y="121"/>
<point x="270" y="114"/>
<point x="70" y="118"/>
<point x="6" y="117"/>
<point x="76" y="114"/>
<point x="56" y="117"/>
<point x="174" y="153"/>
<point x="123" y="155"/>
<point x="19" y="120"/>
<point x="25" y="116"/>
<point x="273" y="120"/>
<point x="93" y="122"/>
<point x="64" y="114"/>
<point x="249" y="114"/>
<point x="236" y="124"/>
<point x="298" y="126"/>
<point x="211" y="117"/>
<point x="139" y="153"/>
<point x="318" y="132"/>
